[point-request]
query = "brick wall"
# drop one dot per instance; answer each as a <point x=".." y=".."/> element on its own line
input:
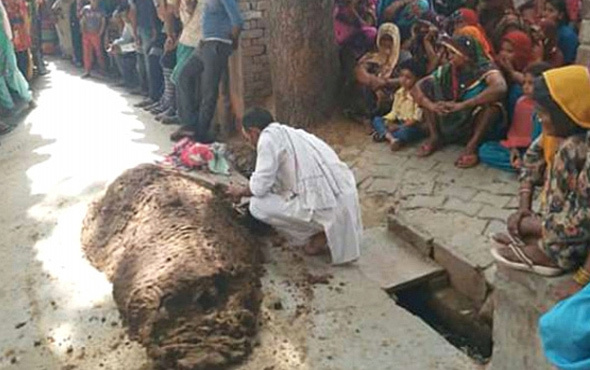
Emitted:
<point x="584" y="50"/>
<point x="254" y="61"/>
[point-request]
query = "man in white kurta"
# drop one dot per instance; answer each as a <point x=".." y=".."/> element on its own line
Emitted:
<point x="301" y="188"/>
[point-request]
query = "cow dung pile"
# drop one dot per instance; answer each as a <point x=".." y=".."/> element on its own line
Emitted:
<point x="186" y="276"/>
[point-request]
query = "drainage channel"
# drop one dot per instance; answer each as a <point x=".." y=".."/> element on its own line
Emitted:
<point x="449" y="313"/>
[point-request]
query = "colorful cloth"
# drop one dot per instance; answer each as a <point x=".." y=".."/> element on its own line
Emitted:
<point x="448" y="83"/>
<point x="18" y="15"/>
<point x="352" y="30"/>
<point x="183" y="54"/>
<point x="188" y="155"/>
<point x="10" y="76"/>
<point x="404" y="107"/>
<point x="479" y="35"/>
<point x="404" y="18"/>
<point x="523" y="123"/>
<point x="566" y="208"/>
<point x="565" y="332"/>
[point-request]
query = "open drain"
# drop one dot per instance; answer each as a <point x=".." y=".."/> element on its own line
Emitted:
<point x="451" y="315"/>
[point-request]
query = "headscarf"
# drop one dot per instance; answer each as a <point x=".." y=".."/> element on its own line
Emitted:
<point x="565" y="94"/>
<point x="468" y="16"/>
<point x="523" y="48"/>
<point x="471" y="19"/>
<point x="386" y="62"/>
<point x="477" y="34"/>
<point x="458" y="81"/>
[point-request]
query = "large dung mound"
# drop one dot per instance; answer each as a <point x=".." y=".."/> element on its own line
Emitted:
<point x="185" y="275"/>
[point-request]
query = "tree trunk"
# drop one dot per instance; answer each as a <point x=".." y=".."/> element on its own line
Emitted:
<point x="304" y="60"/>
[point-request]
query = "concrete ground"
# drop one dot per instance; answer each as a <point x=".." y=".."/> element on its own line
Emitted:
<point x="58" y="311"/>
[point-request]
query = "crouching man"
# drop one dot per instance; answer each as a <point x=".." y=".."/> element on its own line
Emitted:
<point x="302" y="189"/>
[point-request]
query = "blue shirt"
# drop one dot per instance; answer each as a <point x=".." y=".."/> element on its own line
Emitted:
<point x="218" y="19"/>
<point x="568" y="43"/>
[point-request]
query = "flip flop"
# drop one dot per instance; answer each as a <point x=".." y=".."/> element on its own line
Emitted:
<point x="466" y="161"/>
<point x="525" y="264"/>
<point x="495" y="238"/>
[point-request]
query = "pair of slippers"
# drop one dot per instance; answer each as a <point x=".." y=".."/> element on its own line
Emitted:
<point x="524" y="262"/>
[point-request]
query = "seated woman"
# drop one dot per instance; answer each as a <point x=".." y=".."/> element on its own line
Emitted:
<point x="525" y="128"/>
<point x="567" y="39"/>
<point x="355" y="26"/>
<point x="515" y="54"/>
<point x="556" y="240"/>
<point x="404" y="13"/>
<point x="423" y="47"/>
<point x="374" y="72"/>
<point x="545" y="47"/>
<point x="461" y="100"/>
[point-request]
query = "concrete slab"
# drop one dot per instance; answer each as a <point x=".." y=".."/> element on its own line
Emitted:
<point x="387" y="261"/>
<point x="379" y="337"/>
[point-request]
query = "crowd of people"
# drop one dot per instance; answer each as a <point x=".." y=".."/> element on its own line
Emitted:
<point x="498" y="78"/>
<point x="453" y="72"/>
<point x="495" y="76"/>
<point x="173" y="53"/>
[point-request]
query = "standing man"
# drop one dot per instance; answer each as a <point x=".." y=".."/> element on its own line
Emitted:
<point x="147" y="32"/>
<point x="221" y="25"/>
<point x="302" y="189"/>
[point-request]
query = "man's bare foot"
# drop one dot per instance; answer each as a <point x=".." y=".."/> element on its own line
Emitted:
<point x="317" y="245"/>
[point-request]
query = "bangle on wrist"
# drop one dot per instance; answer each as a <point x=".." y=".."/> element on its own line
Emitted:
<point x="582" y="277"/>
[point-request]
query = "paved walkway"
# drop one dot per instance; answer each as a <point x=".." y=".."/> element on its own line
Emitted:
<point x="453" y="210"/>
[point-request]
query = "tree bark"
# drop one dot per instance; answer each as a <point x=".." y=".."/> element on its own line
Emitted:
<point x="304" y="60"/>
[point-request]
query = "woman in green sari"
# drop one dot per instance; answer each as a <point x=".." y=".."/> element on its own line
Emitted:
<point x="11" y="79"/>
<point x="461" y="100"/>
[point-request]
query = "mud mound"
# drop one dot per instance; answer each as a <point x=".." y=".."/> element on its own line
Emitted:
<point x="185" y="275"/>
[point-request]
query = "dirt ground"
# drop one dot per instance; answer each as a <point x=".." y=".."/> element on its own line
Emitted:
<point x="59" y="312"/>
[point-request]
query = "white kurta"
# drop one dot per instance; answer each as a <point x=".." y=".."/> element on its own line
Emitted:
<point x="301" y="188"/>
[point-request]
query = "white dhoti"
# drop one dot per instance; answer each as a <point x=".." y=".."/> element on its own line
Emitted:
<point x="289" y="211"/>
<point x="62" y="26"/>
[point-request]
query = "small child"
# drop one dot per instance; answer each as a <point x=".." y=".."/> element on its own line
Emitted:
<point x="403" y="125"/>
<point x="525" y="127"/>
<point x="93" y="23"/>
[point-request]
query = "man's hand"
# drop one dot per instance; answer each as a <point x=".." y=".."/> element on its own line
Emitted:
<point x="170" y="44"/>
<point x="236" y="192"/>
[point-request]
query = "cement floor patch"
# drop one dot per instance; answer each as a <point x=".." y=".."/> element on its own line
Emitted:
<point x="390" y="264"/>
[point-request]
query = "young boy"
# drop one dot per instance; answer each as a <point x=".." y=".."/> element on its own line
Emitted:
<point x="525" y="127"/>
<point x="403" y="125"/>
<point x="93" y="23"/>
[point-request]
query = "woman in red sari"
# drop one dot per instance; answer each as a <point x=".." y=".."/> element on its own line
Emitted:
<point x="20" y="22"/>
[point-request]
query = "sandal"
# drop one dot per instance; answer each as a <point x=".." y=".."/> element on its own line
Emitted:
<point x="466" y="161"/>
<point x="525" y="263"/>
